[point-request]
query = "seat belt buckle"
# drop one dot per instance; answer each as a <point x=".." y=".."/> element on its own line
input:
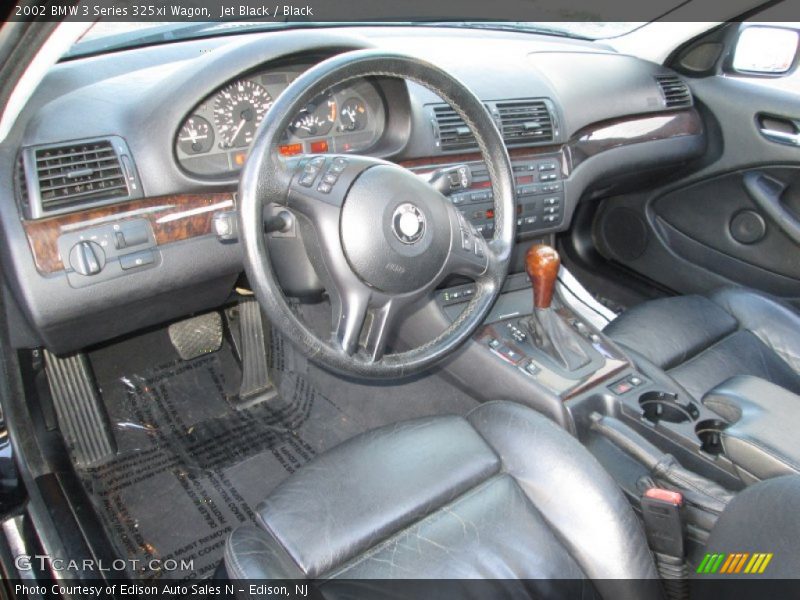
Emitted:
<point x="661" y="511"/>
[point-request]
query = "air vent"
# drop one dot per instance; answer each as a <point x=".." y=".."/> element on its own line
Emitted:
<point x="452" y="132"/>
<point x="61" y="178"/>
<point x="21" y="184"/>
<point x="675" y="91"/>
<point x="525" y="121"/>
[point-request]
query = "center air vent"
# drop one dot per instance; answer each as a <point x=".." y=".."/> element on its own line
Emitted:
<point x="675" y="91"/>
<point x="452" y="132"/>
<point x="525" y="121"/>
<point x="60" y="178"/>
<point x="521" y="122"/>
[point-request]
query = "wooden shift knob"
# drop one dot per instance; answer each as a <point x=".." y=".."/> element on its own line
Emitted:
<point x="542" y="264"/>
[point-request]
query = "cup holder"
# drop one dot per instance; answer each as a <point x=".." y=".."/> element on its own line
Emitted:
<point x="664" y="406"/>
<point x="709" y="432"/>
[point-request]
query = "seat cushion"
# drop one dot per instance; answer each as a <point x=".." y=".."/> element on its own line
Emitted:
<point x="501" y="494"/>
<point x="701" y="341"/>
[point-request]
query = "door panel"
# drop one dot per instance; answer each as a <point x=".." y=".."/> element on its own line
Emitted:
<point x="736" y="218"/>
<point x="720" y="213"/>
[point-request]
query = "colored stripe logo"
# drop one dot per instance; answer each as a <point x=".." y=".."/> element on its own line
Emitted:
<point x="736" y="562"/>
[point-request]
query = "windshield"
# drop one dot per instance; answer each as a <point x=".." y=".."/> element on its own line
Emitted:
<point x="106" y="36"/>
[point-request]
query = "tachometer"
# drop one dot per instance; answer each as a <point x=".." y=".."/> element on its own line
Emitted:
<point x="316" y="118"/>
<point x="238" y="111"/>
<point x="353" y="115"/>
<point x="196" y="136"/>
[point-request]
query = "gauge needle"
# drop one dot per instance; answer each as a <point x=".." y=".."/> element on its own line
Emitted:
<point x="238" y="129"/>
<point x="193" y="137"/>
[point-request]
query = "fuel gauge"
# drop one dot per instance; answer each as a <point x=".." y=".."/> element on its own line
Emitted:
<point x="196" y="136"/>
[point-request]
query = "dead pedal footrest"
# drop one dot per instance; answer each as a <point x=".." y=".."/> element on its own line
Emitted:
<point x="81" y="416"/>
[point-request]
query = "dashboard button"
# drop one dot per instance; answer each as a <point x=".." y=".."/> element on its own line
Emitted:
<point x="134" y="233"/>
<point x="137" y="259"/>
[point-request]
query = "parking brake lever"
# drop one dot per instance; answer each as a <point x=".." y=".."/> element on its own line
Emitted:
<point x="698" y="490"/>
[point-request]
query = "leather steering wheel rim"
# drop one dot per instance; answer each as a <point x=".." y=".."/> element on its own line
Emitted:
<point x="269" y="178"/>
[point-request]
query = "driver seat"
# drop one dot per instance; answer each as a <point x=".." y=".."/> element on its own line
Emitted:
<point x="500" y="494"/>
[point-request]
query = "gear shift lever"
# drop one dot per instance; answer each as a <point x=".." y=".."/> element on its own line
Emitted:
<point x="542" y="264"/>
<point x="547" y="329"/>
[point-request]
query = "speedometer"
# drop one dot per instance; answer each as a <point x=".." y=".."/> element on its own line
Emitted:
<point x="238" y="111"/>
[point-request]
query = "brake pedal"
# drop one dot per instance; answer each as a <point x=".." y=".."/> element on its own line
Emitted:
<point x="256" y="384"/>
<point x="81" y="416"/>
<point x="197" y="336"/>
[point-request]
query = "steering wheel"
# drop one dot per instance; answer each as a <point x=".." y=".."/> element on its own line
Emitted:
<point x="380" y="238"/>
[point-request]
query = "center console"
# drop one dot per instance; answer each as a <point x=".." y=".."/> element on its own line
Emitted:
<point x="536" y="349"/>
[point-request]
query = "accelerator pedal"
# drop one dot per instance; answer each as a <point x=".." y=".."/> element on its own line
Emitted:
<point x="197" y="336"/>
<point x="256" y="384"/>
<point x="81" y="416"/>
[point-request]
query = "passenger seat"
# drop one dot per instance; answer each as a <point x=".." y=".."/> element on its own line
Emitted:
<point x="702" y="341"/>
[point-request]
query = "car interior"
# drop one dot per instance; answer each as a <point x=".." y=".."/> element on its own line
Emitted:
<point x="439" y="301"/>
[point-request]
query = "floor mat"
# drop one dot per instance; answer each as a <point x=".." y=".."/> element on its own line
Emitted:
<point x="191" y="466"/>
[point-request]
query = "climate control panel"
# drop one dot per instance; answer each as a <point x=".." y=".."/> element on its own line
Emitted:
<point x="540" y="196"/>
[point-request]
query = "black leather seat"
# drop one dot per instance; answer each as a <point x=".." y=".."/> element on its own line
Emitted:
<point x="701" y="342"/>
<point x="501" y="494"/>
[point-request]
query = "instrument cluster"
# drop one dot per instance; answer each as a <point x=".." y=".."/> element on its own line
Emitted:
<point x="216" y="137"/>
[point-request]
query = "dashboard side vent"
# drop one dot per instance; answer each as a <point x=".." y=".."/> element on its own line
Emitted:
<point x="451" y="131"/>
<point x="525" y="121"/>
<point x="21" y="185"/>
<point x="60" y="178"/>
<point x="675" y="91"/>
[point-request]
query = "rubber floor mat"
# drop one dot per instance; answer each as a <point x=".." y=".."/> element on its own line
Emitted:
<point x="190" y="466"/>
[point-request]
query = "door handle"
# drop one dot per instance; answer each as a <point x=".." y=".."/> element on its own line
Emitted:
<point x="779" y="129"/>
<point x="766" y="192"/>
<point x="782" y="137"/>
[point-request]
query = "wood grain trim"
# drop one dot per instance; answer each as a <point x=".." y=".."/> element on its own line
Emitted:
<point x="449" y="159"/>
<point x="605" y="135"/>
<point x="173" y="218"/>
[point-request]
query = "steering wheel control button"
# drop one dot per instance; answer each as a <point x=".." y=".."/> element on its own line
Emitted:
<point x="408" y="223"/>
<point x="324" y="188"/>
<point x="338" y="165"/>
<point x="466" y="240"/>
<point x="307" y="179"/>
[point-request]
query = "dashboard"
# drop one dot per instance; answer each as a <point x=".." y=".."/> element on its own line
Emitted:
<point x="123" y="165"/>
<point x="215" y="139"/>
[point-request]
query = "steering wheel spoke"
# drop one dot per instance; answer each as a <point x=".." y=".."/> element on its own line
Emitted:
<point x="364" y="319"/>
